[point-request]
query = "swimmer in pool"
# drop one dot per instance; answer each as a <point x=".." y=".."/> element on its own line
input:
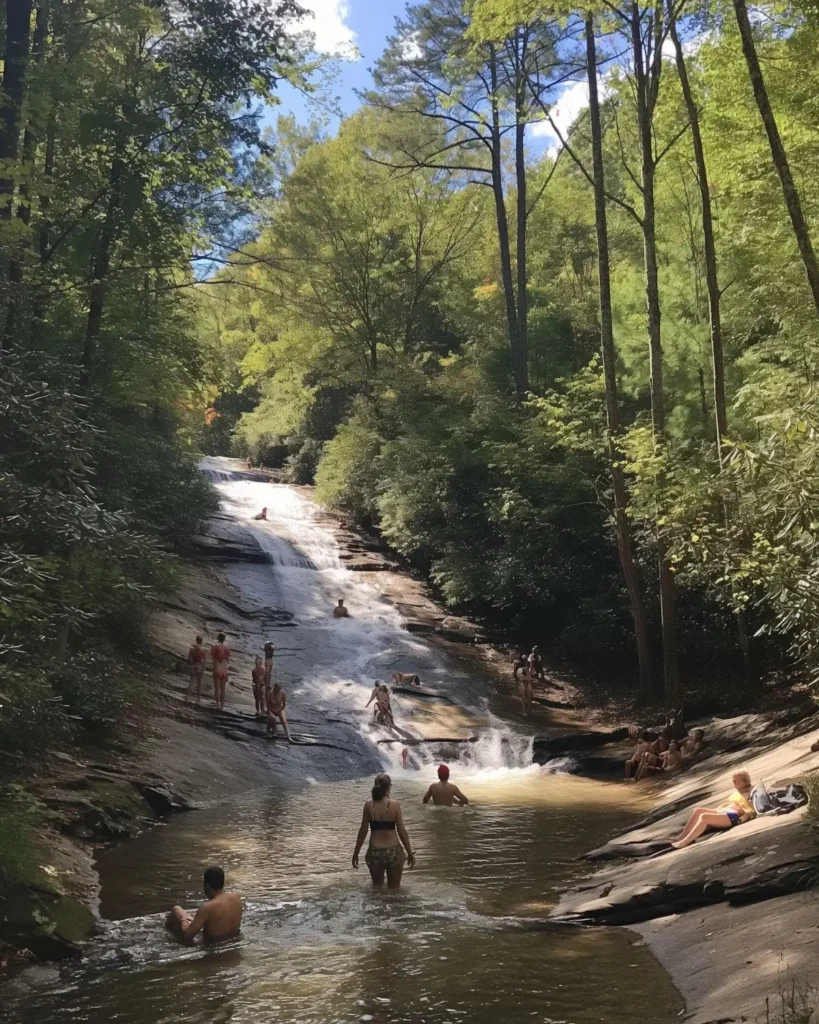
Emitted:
<point x="444" y="793"/>
<point x="219" y="918"/>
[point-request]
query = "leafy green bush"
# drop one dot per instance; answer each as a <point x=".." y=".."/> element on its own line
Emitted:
<point x="20" y="817"/>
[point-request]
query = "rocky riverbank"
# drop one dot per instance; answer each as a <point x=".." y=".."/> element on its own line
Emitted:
<point x="734" y="917"/>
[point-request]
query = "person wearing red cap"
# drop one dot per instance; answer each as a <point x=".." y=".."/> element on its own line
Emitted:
<point x="444" y="793"/>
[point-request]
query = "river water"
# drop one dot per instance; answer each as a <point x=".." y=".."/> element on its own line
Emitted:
<point x="466" y="939"/>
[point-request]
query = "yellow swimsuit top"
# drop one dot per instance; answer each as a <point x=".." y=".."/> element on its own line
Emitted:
<point x="736" y="799"/>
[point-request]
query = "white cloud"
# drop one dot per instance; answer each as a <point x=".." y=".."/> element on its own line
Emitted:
<point x="573" y="98"/>
<point x="329" y="25"/>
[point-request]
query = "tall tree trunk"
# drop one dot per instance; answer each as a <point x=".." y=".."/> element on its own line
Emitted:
<point x="18" y="33"/>
<point x="625" y="546"/>
<point x="714" y="312"/>
<point x="44" y="232"/>
<point x="646" y="91"/>
<point x="504" y="244"/>
<point x="780" y="157"/>
<point x="15" y="271"/>
<point x="522" y="372"/>
<point x="100" y="269"/>
<point x="15" y="66"/>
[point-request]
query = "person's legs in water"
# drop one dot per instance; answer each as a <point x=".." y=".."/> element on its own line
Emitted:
<point x="394" y="873"/>
<point x="178" y="919"/>
<point x="377" y="872"/>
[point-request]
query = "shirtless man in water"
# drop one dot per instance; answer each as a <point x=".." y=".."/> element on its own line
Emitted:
<point x="261" y="515"/>
<point x="196" y="661"/>
<point x="340" y="612"/>
<point x="444" y="793"/>
<point x="220" y="653"/>
<point x="259" y="676"/>
<point x="276" y="704"/>
<point x="219" y="918"/>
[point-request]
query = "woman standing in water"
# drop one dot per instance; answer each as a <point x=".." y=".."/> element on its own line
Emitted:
<point x="383" y="819"/>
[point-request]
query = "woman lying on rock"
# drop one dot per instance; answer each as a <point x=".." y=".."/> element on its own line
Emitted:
<point x="737" y="809"/>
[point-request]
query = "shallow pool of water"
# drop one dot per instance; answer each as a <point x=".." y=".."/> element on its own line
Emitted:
<point x="464" y="940"/>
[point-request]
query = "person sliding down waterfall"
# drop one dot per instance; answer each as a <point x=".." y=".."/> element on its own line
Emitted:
<point x="340" y="612"/>
<point x="382" y="711"/>
<point x="262" y="514"/>
<point x="444" y="793"/>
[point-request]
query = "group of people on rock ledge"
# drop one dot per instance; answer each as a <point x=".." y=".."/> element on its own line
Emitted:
<point x="271" y="701"/>
<point x="661" y="753"/>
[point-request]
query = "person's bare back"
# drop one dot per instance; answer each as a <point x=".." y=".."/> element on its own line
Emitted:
<point x="219" y="918"/>
<point x="444" y="793"/>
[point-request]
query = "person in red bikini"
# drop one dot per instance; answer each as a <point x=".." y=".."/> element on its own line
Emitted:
<point x="196" y="662"/>
<point x="220" y="653"/>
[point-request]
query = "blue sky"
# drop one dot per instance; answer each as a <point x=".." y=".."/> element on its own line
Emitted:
<point x="359" y="30"/>
<point x="355" y="28"/>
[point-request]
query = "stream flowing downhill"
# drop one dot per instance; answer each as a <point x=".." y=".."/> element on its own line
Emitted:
<point x="464" y="940"/>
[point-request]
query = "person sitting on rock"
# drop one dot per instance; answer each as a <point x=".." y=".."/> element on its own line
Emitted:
<point x="340" y="612"/>
<point x="644" y="748"/>
<point x="219" y="918"/>
<point x="670" y="760"/>
<point x="736" y="810"/>
<point x="692" y="745"/>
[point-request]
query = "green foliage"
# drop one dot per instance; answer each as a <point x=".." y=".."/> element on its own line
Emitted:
<point x="134" y="153"/>
<point x="20" y="817"/>
<point x="366" y="324"/>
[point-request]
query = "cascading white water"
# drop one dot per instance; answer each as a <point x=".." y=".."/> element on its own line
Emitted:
<point x="342" y="658"/>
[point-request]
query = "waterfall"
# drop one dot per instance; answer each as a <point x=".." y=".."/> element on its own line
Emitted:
<point x="341" y="659"/>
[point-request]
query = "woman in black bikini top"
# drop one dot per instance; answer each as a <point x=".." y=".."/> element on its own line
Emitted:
<point x="383" y="820"/>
